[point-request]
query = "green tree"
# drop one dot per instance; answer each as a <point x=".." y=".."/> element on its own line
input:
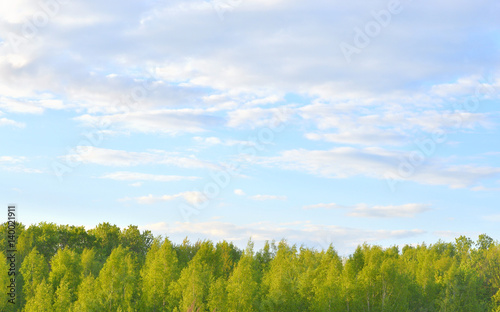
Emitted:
<point x="107" y="238"/>
<point x="44" y="237"/>
<point x="484" y="242"/>
<point x="217" y="295"/>
<point x="137" y="242"/>
<point x="118" y="281"/>
<point x="351" y="288"/>
<point x="280" y="282"/>
<point x="88" y="296"/>
<point x="185" y="252"/>
<point x="74" y="237"/>
<point x="228" y="255"/>
<point x="34" y="270"/>
<point x="41" y="301"/>
<point x="492" y="267"/>
<point x="90" y="265"/>
<point x="160" y="270"/>
<point x="66" y="268"/>
<point x="327" y="283"/>
<point x="462" y="292"/>
<point x="63" y="298"/>
<point x="195" y="280"/>
<point x="369" y="278"/>
<point x="242" y="287"/>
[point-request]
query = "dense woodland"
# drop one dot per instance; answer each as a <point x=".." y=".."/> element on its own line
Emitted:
<point x="67" y="268"/>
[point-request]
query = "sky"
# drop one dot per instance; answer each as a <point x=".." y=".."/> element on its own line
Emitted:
<point x="321" y="122"/>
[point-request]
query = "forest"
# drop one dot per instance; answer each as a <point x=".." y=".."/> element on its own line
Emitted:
<point x="65" y="268"/>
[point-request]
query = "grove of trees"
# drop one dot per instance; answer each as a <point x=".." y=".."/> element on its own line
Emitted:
<point x="68" y="268"/>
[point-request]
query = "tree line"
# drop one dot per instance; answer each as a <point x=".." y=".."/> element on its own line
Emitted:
<point x="66" y="268"/>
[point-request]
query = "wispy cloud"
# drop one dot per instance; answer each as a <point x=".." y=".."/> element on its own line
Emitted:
<point x="366" y="211"/>
<point x="345" y="162"/>
<point x="8" y="122"/>
<point x="343" y="238"/>
<point x="239" y="192"/>
<point x="324" y="206"/>
<point x="401" y="211"/>
<point x="219" y="141"/>
<point x="137" y="176"/>
<point x="261" y="197"/>
<point x="192" y="197"/>
<point x="12" y="159"/>
<point x="122" y="158"/>
<point x="158" y="121"/>
<point x="16" y="164"/>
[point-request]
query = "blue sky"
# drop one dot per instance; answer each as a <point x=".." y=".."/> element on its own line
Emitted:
<point x="320" y="121"/>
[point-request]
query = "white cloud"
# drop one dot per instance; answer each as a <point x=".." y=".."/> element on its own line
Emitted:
<point x="452" y="234"/>
<point x="492" y="218"/>
<point x="192" y="197"/>
<point x="8" y="122"/>
<point x="472" y="87"/>
<point x="12" y="159"/>
<point x="161" y="121"/>
<point x="239" y="192"/>
<point x="378" y="163"/>
<point x="16" y="164"/>
<point x="387" y="120"/>
<point x="343" y="239"/>
<point x="218" y="141"/>
<point x="401" y="211"/>
<point x="30" y="106"/>
<point x="322" y="205"/>
<point x="121" y="158"/>
<point x="260" y="197"/>
<point x="267" y="100"/>
<point x="366" y="211"/>
<point x="304" y="59"/>
<point x="267" y="197"/>
<point x="137" y="176"/>
<point x="365" y="137"/>
<point x="259" y="117"/>
<point x="486" y="189"/>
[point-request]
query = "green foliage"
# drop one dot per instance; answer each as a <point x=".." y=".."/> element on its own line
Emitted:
<point x="68" y="268"/>
<point x="280" y="283"/>
<point x="45" y="237"/>
<point x="88" y="294"/>
<point x="158" y="273"/>
<point x="89" y="263"/>
<point x="41" y="301"/>
<point x="195" y="280"/>
<point x="217" y="296"/>
<point x="242" y="287"/>
<point x="63" y="298"/>
<point x="137" y="242"/>
<point x="107" y="238"/>
<point x="34" y="270"/>
<point x="118" y="281"/>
